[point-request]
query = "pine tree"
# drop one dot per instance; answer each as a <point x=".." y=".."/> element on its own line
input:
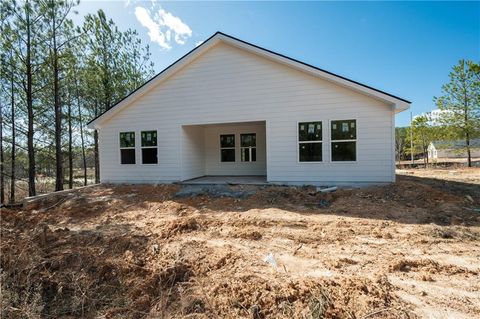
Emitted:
<point x="26" y="28"/>
<point x="60" y="32"/>
<point x="461" y="103"/>
<point x="116" y="64"/>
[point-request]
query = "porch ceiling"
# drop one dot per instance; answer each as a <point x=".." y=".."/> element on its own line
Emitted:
<point x="225" y="123"/>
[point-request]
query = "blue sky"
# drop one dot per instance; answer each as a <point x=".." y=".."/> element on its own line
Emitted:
<point x="404" y="48"/>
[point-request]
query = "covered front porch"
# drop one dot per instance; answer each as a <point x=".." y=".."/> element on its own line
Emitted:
<point x="224" y="153"/>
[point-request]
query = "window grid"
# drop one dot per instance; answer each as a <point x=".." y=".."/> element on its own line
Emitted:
<point x="145" y="147"/>
<point x="225" y="138"/>
<point x="122" y="138"/>
<point x="250" y="149"/>
<point x="315" y="141"/>
<point x="344" y="140"/>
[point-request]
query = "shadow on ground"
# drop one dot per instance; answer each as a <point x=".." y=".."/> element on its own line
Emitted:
<point x="411" y="200"/>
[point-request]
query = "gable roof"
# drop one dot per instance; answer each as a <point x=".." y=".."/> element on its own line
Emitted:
<point x="399" y="104"/>
<point x="456" y="144"/>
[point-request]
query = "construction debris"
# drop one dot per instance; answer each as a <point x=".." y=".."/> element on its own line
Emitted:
<point x="327" y="190"/>
<point x="270" y="260"/>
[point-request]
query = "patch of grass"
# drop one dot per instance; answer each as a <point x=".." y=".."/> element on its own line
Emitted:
<point x="319" y="304"/>
<point x="457" y="232"/>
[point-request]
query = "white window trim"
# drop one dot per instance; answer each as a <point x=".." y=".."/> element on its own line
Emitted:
<point x="226" y="148"/>
<point x="349" y="140"/>
<point x="249" y="148"/>
<point x="306" y="142"/>
<point x="120" y="148"/>
<point x="142" y="147"/>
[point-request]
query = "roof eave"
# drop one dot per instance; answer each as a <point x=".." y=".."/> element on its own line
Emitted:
<point x="401" y="106"/>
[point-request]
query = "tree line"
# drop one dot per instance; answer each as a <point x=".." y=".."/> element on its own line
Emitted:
<point x="55" y="77"/>
<point x="459" y="118"/>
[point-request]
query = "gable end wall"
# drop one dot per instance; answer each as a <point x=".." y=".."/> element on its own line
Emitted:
<point x="228" y="85"/>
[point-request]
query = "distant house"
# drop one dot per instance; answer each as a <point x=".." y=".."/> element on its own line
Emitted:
<point x="453" y="149"/>
<point x="231" y="108"/>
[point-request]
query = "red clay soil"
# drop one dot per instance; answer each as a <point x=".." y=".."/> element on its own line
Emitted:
<point x="407" y="250"/>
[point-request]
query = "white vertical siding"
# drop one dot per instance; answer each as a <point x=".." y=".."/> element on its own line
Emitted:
<point x="228" y="85"/>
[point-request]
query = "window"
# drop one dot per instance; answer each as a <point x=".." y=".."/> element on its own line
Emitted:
<point x="227" y="148"/>
<point x="127" y="147"/>
<point x="344" y="140"/>
<point x="310" y="141"/>
<point x="248" y="147"/>
<point x="149" y="147"/>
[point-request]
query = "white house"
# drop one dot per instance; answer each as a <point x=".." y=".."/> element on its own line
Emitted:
<point x="453" y="149"/>
<point x="231" y="108"/>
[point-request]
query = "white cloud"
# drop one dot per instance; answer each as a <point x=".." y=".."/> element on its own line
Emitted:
<point x="182" y="31"/>
<point x="163" y="27"/>
<point x="154" y="32"/>
<point x="127" y="3"/>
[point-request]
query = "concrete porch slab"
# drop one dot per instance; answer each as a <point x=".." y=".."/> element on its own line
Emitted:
<point x="227" y="180"/>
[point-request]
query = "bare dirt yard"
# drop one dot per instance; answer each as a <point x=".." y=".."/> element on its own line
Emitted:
<point x="462" y="175"/>
<point x="407" y="250"/>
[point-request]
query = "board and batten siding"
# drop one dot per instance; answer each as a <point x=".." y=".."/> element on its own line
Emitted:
<point x="229" y="85"/>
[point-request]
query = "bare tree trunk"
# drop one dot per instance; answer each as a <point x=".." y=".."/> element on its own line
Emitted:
<point x="30" y="147"/>
<point x="425" y="151"/>
<point x="426" y="155"/>
<point x="58" y="113"/>
<point x="14" y="133"/>
<point x="95" y="152"/>
<point x="469" y="154"/>
<point x="97" y="161"/>
<point x="425" y="160"/>
<point x="467" y="133"/>
<point x="84" y="158"/>
<point x="70" y="153"/>
<point x="2" y="169"/>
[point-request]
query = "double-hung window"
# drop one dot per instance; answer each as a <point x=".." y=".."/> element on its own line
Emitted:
<point x="310" y="142"/>
<point x="127" y="147"/>
<point x="227" y="148"/>
<point x="149" y="147"/>
<point x="248" y="147"/>
<point x="344" y="140"/>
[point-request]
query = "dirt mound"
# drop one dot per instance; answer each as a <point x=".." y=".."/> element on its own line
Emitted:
<point x="253" y="295"/>
<point x="181" y="225"/>
<point x="81" y="273"/>
<point x="140" y="251"/>
<point x="428" y="266"/>
<point x="248" y="234"/>
<point x="409" y="193"/>
<point x="63" y="273"/>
